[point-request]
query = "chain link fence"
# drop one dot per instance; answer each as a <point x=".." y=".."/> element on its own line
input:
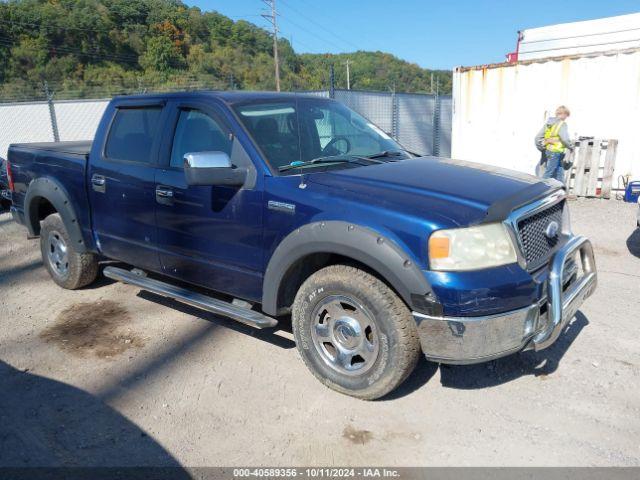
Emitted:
<point x="64" y="120"/>
<point x="420" y="122"/>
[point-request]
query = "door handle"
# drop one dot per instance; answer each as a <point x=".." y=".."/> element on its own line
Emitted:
<point x="98" y="183"/>
<point x="164" y="195"/>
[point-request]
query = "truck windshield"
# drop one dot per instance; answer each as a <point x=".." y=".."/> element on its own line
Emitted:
<point x="299" y="131"/>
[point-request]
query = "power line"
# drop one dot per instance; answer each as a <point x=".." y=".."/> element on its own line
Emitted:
<point x="301" y="43"/>
<point x="8" y="41"/>
<point x="54" y="27"/>
<point x="124" y="57"/>
<point x="310" y="32"/>
<point x="107" y="30"/>
<point x="320" y="25"/>
<point x="332" y="21"/>
<point x="96" y="56"/>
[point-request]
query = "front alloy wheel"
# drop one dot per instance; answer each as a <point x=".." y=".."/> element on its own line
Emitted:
<point x="345" y="335"/>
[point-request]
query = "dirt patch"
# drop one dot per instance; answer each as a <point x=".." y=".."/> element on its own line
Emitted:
<point x="357" y="436"/>
<point x="96" y="328"/>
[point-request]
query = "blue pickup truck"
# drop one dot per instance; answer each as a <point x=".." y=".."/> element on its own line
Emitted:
<point x="276" y="205"/>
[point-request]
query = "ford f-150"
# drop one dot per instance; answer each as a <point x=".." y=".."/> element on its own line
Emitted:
<point x="273" y="205"/>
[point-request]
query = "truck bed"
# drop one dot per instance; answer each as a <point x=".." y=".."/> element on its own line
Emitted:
<point x="62" y="162"/>
<point x="81" y="148"/>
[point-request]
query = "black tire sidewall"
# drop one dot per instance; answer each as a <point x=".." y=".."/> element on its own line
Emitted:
<point x="83" y="267"/>
<point x="382" y="372"/>
<point x="50" y="224"/>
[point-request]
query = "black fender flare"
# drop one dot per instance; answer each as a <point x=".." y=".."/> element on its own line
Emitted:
<point x="359" y="243"/>
<point x="51" y="190"/>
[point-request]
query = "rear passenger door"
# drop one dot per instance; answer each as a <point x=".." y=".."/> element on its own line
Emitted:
<point x="122" y="188"/>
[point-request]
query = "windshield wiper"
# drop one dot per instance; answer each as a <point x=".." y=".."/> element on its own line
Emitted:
<point x="386" y="153"/>
<point x="336" y="159"/>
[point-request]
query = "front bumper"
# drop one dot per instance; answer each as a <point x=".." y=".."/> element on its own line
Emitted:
<point x="464" y="340"/>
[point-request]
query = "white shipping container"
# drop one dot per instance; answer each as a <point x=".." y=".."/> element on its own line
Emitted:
<point x="600" y="35"/>
<point x="498" y="109"/>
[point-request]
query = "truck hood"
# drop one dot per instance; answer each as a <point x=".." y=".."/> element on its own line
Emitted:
<point x="462" y="192"/>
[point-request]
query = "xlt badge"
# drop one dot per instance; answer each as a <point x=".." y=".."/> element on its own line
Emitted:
<point x="281" y="207"/>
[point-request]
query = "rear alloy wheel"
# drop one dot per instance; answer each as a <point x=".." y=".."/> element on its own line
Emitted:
<point x="354" y="333"/>
<point x="68" y="268"/>
<point x="57" y="253"/>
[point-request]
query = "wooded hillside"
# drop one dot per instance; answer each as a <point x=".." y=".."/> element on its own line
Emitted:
<point x="101" y="47"/>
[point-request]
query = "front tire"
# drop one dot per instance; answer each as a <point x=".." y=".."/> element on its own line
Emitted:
<point x="69" y="268"/>
<point x="354" y="333"/>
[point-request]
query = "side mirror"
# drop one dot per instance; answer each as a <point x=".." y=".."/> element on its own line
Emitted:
<point x="212" y="168"/>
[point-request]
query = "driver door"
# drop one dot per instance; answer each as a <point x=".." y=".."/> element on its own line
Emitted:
<point x="208" y="235"/>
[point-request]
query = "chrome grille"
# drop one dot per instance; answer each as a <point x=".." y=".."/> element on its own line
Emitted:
<point x="537" y="247"/>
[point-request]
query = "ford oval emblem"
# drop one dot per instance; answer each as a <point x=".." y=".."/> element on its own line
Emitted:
<point x="552" y="229"/>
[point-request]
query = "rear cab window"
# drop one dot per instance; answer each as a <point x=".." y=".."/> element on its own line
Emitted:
<point x="132" y="134"/>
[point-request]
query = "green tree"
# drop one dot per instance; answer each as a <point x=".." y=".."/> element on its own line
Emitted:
<point x="162" y="55"/>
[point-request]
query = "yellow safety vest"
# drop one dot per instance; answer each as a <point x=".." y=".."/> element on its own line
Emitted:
<point x="551" y="131"/>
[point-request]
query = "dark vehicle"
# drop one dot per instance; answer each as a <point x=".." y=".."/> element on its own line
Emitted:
<point x="5" y="194"/>
<point x="296" y="205"/>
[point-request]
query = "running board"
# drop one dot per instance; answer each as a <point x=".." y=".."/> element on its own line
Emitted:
<point x="226" y="309"/>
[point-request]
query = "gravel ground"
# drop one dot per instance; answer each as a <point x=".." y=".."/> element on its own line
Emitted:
<point x="110" y="375"/>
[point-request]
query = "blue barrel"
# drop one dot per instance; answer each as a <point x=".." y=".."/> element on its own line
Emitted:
<point x="632" y="192"/>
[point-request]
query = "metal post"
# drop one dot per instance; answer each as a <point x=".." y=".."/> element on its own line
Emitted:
<point x="436" y="125"/>
<point x="332" y="81"/>
<point x="348" y="75"/>
<point x="395" y="113"/>
<point x="52" y="113"/>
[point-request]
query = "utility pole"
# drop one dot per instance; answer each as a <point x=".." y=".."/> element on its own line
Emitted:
<point x="271" y="17"/>
<point x="348" y="75"/>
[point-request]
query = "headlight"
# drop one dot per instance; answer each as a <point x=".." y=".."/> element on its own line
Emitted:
<point x="471" y="248"/>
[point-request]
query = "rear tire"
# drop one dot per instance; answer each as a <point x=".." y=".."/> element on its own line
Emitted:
<point x="354" y="333"/>
<point x="68" y="268"/>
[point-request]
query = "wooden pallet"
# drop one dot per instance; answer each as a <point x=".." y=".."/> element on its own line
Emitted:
<point x="592" y="172"/>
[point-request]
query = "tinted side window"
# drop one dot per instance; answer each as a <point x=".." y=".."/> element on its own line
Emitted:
<point x="198" y="132"/>
<point x="336" y="123"/>
<point x="132" y="132"/>
<point x="274" y="126"/>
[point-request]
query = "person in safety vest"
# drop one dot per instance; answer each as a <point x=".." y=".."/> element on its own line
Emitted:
<point x="553" y="141"/>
